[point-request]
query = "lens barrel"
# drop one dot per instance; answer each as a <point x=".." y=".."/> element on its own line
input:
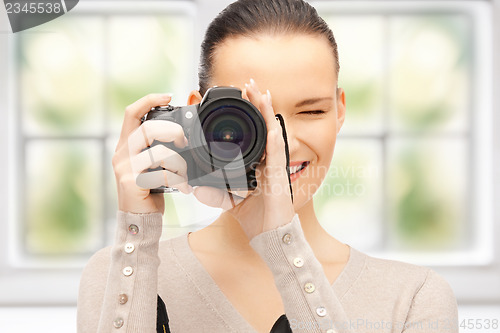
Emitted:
<point x="230" y="128"/>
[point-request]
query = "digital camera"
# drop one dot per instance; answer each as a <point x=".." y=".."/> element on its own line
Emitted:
<point x="226" y="139"/>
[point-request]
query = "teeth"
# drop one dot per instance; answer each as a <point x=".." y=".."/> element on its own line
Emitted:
<point x="296" y="168"/>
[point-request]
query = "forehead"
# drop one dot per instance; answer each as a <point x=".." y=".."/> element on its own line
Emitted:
<point x="299" y="64"/>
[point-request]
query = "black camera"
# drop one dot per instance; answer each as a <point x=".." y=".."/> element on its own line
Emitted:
<point x="226" y="139"/>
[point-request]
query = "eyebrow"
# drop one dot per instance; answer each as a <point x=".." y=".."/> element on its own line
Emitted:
<point x="310" y="101"/>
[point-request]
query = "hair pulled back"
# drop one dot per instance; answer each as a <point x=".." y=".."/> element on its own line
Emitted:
<point x="252" y="17"/>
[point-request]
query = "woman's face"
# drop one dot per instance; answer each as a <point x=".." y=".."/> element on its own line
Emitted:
<point x="299" y="71"/>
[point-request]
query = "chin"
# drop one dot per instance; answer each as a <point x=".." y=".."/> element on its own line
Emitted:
<point x="305" y="187"/>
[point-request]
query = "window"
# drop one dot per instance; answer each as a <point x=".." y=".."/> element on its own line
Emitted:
<point x="71" y="80"/>
<point x="411" y="175"/>
<point x="410" y="178"/>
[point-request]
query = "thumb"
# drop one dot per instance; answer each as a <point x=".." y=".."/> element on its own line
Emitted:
<point x="215" y="197"/>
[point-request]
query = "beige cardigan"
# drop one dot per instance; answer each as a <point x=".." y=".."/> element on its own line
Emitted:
<point x="119" y="287"/>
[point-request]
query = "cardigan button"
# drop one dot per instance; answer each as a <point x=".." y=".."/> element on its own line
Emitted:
<point x="287" y="238"/>
<point x="331" y="330"/>
<point x="127" y="271"/>
<point x="309" y="287"/>
<point x="129" y="248"/>
<point x="298" y="262"/>
<point x="133" y="229"/>
<point x="118" y="322"/>
<point x="122" y="298"/>
<point x="321" y="311"/>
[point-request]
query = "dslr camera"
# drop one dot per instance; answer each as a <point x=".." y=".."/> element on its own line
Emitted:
<point x="226" y="139"/>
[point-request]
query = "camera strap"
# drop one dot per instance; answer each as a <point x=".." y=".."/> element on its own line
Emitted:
<point x="283" y="132"/>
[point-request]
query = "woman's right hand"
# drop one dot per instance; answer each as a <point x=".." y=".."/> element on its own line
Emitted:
<point x="130" y="160"/>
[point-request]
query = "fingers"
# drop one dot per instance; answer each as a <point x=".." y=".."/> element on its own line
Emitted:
<point x="161" y="130"/>
<point x="135" y="111"/>
<point x="215" y="197"/>
<point x="266" y="108"/>
<point x="244" y="94"/>
<point x="275" y="165"/>
<point x="252" y="92"/>
<point x="275" y="157"/>
<point x="276" y="180"/>
<point x="159" y="155"/>
<point x="261" y="101"/>
<point x="154" y="179"/>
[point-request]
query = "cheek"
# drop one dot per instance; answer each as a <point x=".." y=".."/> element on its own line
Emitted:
<point x="322" y="137"/>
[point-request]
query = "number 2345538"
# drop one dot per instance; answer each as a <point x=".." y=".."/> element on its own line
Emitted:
<point x="33" y="7"/>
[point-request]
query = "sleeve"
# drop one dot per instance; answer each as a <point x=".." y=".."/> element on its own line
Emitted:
<point x="434" y="307"/>
<point x="119" y="286"/>
<point x="309" y="301"/>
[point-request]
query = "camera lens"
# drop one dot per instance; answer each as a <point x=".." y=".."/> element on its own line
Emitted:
<point x="229" y="131"/>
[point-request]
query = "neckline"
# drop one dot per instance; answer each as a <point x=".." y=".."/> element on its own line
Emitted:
<point x="221" y="304"/>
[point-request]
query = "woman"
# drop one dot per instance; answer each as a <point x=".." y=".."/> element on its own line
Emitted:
<point x="265" y="257"/>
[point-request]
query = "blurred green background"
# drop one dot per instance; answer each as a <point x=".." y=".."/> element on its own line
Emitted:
<point x="400" y="174"/>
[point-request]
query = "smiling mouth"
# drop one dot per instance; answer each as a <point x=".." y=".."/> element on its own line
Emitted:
<point x="297" y="168"/>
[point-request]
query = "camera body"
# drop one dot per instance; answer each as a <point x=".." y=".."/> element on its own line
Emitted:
<point x="226" y="139"/>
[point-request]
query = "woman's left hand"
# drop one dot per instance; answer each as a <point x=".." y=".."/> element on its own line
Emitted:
<point x="269" y="205"/>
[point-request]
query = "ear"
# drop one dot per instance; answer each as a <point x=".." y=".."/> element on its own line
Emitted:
<point x="341" y="107"/>
<point x="194" y="97"/>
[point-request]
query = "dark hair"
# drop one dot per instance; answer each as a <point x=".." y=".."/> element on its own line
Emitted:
<point x="251" y="17"/>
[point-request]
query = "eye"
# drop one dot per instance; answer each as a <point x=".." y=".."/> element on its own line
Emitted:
<point x="313" y="112"/>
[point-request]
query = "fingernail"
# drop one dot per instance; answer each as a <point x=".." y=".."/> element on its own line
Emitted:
<point x="190" y="188"/>
<point x="167" y="95"/>
<point x="252" y="82"/>
<point x="269" y="99"/>
<point x="185" y="141"/>
<point x="247" y="86"/>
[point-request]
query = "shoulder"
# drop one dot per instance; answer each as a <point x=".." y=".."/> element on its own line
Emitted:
<point x="420" y="284"/>
<point x="173" y="251"/>
<point x="390" y="269"/>
<point x="400" y="272"/>
<point x="96" y="270"/>
<point x="92" y="288"/>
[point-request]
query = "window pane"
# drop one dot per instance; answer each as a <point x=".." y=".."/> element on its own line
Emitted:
<point x="430" y="78"/>
<point x="349" y="201"/>
<point x="427" y="186"/>
<point x="63" y="197"/>
<point x="148" y="54"/>
<point x="362" y="55"/>
<point x="60" y="76"/>
<point x="117" y="59"/>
